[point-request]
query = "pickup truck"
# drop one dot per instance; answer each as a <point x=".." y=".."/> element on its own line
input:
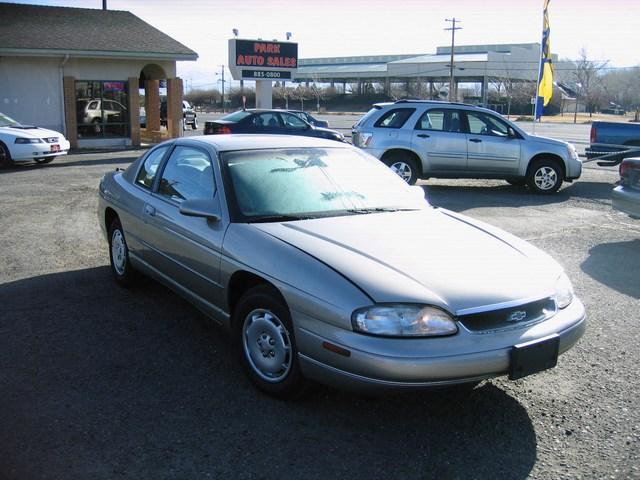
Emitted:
<point x="612" y="142"/>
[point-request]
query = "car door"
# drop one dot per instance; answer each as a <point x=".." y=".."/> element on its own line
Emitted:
<point x="491" y="150"/>
<point x="294" y="125"/>
<point x="184" y="248"/>
<point x="440" y="139"/>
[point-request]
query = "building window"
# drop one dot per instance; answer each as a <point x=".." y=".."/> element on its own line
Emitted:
<point x="102" y="109"/>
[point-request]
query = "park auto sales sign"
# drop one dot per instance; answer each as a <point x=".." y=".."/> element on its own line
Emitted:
<point x="258" y="59"/>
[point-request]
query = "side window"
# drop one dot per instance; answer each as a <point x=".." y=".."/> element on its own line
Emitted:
<point x="394" y="118"/>
<point x="483" y="124"/>
<point x="150" y="166"/>
<point x="267" y="120"/>
<point x="293" y="122"/>
<point x="432" y="120"/>
<point x="188" y="175"/>
<point x="453" y="121"/>
<point x="93" y="106"/>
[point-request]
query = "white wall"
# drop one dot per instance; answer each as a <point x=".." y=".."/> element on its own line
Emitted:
<point x="31" y="91"/>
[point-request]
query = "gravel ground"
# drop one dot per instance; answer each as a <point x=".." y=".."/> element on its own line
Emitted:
<point x="100" y="382"/>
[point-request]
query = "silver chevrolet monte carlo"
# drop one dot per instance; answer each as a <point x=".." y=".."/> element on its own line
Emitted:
<point x="325" y="265"/>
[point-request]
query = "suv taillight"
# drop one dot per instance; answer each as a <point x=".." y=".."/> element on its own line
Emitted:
<point x="223" y="130"/>
<point x="592" y="136"/>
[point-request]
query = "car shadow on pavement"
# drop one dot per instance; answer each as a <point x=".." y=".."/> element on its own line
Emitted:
<point x="98" y="381"/>
<point x="615" y="265"/>
<point x="463" y="197"/>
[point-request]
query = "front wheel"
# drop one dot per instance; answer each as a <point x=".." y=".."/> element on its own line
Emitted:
<point x="404" y="166"/>
<point x="265" y="343"/>
<point x="121" y="267"/>
<point x="5" y="157"/>
<point x="545" y="176"/>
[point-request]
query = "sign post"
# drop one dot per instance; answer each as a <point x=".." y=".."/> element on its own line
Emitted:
<point x="264" y="62"/>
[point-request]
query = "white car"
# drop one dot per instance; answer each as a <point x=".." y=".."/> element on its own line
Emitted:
<point x="23" y="143"/>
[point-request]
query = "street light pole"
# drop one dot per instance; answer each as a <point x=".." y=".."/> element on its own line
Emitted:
<point x="453" y="29"/>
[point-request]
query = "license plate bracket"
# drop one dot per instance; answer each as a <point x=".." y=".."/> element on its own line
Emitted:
<point x="533" y="357"/>
<point x="55" y="148"/>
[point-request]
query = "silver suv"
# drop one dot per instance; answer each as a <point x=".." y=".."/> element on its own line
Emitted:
<point x="423" y="139"/>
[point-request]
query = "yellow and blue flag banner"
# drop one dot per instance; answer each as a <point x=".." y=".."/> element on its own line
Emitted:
<point x="545" y="76"/>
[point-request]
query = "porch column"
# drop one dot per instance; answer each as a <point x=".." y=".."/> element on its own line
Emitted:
<point x="174" y="107"/>
<point x="70" y="118"/>
<point x="152" y="110"/>
<point x="134" y="111"/>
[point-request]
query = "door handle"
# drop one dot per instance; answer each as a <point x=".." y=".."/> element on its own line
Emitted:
<point x="475" y="140"/>
<point x="423" y="135"/>
<point x="149" y="210"/>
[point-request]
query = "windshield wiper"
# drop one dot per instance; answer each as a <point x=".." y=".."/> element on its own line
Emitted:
<point x="380" y="209"/>
<point x="280" y="218"/>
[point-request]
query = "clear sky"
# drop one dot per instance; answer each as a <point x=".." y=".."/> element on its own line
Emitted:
<point x="607" y="29"/>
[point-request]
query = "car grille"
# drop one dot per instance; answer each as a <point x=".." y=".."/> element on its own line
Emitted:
<point x="511" y="317"/>
<point x="51" y="140"/>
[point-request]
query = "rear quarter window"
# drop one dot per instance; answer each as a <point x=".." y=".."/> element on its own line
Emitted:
<point x="394" y="118"/>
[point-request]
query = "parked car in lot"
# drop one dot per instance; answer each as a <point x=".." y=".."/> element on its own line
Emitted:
<point x="626" y="196"/>
<point x="424" y="139"/>
<point x="24" y="143"/>
<point x="279" y="122"/>
<point x="310" y="119"/>
<point x="284" y="242"/>
<point x="609" y="138"/>
<point x="189" y="116"/>
<point x="97" y="111"/>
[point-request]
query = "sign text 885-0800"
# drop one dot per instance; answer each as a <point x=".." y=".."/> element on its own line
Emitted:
<point x="265" y="74"/>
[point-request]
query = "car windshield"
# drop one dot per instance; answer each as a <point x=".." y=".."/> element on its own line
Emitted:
<point x="302" y="183"/>
<point x="7" y="121"/>
<point x="236" y="116"/>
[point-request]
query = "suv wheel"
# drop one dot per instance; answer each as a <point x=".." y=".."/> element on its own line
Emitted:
<point x="545" y="176"/>
<point x="403" y="165"/>
<point x="194" y="125"/>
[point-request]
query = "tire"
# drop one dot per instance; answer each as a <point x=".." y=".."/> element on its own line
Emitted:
<point x="5" y="157"/>
<point x="545" y="176"/>
<point x="184" y="124"/>
<point x="194" y="125"/>
<point x="404" y="166"/>
<point x="265" y="343"/>
<point x="121" y="267"/>
<point x="96" y="126"/>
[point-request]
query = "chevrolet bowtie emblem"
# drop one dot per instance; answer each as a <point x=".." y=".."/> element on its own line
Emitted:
<point x="517" y="316"/>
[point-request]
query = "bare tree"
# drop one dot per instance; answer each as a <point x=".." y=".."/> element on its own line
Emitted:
<point x="588" y="80"/>
<point x="622" y="87"/>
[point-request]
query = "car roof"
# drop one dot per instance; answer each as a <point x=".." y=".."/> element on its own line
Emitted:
<point x="240" y="141"/>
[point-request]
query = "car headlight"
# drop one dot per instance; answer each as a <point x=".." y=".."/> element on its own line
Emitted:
<point x="28" y="140"/>
<point x="403" y="321"/>
<point x="564" y="291"/>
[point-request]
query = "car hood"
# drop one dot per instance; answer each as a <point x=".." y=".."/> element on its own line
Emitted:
<point x="427" y="256"/>
<point x="548" y="141"/>
<point x="30" y="131"/>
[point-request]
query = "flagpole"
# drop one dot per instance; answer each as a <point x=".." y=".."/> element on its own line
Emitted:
<point x="535" y="110"/>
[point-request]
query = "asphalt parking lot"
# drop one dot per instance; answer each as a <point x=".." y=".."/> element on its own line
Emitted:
<point x="101" y="382"/>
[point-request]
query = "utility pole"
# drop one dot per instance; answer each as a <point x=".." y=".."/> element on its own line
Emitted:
<point x="453" y="29"/>
<point x="222" y="96"/>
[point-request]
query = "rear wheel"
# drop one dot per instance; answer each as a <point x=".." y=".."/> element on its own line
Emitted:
<point x="545" y="176"/>
<point x="404" y="166"/>
<point x="121" y="267"/>
<point x="265" y="343"/>
<point x="5" y="157"/>
<point x="194" y="125"/>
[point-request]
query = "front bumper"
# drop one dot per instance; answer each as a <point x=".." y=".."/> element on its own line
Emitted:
<point x="29" y="152"/>
<point x="627" y="200"/>
<point x="462" y="358"/>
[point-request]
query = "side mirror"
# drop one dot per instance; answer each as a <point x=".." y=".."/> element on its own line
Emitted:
<point x="511" y="133"/>
<point x="204" y="208"/>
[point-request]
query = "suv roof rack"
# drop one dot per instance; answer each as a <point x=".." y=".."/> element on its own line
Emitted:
<point x="411" y="100"/>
